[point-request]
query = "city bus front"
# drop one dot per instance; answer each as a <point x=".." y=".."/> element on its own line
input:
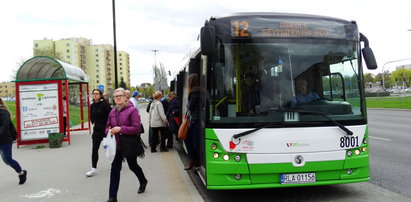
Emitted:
<point x="286" y="104"/>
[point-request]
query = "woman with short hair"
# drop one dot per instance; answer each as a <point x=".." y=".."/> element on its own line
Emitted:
<point x="123" y="120"/>
<point x="158" y="123"/>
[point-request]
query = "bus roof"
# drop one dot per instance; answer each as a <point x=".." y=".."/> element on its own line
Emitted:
<point x="277" y="14"/>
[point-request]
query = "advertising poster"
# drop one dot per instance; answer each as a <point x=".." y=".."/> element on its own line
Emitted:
<point x="39" y="111"/>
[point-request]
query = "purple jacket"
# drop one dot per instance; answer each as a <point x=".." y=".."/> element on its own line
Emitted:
<point x="128" y="119"/>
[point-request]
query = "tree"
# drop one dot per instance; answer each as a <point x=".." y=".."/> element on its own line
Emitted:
<point x="387" y="80"/>
<point x="160" y="78"/>
<point x="122" y="84"/>
<point x="18" y="65"/>
<point x="146" y="92"/>
<point x="47" y="52"/>
<point x="368" y="78"/>
<point x="401" y="75"/>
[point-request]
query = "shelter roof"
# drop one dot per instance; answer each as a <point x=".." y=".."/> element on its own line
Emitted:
<point x="47" y="68"/>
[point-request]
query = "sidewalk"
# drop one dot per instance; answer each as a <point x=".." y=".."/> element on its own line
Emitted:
<point x="59" y="174"/>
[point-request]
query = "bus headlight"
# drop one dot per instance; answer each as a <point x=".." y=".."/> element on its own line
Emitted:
<point x="365" y="141"/>
<point x="364" y="149"/>
<point x="349" y="153"/>
<point x="226" y="157"/>
<point x="357" y="152"/>
<point x="237" y="176"/>
<point x="349" y="171"/>
<point x="216" y="155"/>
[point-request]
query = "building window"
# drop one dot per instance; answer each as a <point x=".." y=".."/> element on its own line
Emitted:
<point x="96" y="50"/>
<point x="97" y="81"/>
<point x="96" y="55"/>
<point x="121" y="59"/>
<point x="67" y="44"/>
<point x="96" y="65"/>
<point x="68" y="56"/>
<point x="121" y="63"/>
<point x="119" y="54"/>
<point x="68" y="50"/>
<point x="97" y="70"/>
<point x="36" y="45"/>
<point x="96" y="60"/>
<point x="96" y="76"/>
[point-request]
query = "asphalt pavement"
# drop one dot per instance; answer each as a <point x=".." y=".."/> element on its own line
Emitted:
<point x="58" y="174"/>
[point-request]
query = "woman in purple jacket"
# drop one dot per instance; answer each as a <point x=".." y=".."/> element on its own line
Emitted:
<point x="123" y="120"/>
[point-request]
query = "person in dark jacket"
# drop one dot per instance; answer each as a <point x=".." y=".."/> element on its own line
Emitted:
<point x="123" y="120"/>
<point x="99" y="111"/>
<point x="193" y="106"/>
<point x="172" y="113"/>
<point x="7" y="136"/>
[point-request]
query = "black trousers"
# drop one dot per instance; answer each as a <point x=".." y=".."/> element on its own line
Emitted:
<point x="162" y="136"/>
<point x="94" y="151"/>
<point x="115" y="172"/>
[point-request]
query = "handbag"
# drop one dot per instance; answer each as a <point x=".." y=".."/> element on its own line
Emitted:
<point x="110" y="144"/>
<point x="13" y="131"/>
<point x="183" y="130"/>
<point x="132" y="146"/>
<point x="141" y="128"/>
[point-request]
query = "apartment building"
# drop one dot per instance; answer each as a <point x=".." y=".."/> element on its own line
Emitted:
<point x="99" y="66"/>
<point x="123" y="66"/>
<point x="7" y="90"/>
<point x="96" y="60"/>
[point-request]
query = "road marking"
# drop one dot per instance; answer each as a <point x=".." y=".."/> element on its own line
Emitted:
<point x="46" y="193"/>
<point x="380" y="138"/>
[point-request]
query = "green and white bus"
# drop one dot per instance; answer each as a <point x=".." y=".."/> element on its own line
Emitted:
<point x="255" y="130"/>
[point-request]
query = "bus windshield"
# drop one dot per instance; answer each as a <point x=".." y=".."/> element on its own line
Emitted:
<point x="255" y="83"/>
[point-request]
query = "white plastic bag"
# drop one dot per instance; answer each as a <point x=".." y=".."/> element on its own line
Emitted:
<point x="109" y="145"/>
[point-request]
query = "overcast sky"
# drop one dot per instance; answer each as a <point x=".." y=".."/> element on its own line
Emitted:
<point x="172" y="26"/>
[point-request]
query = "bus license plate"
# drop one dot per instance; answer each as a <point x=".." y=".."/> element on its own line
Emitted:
<point x="297" y="178"/>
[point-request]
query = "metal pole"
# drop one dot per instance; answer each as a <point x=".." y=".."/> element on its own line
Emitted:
<point x="155" y="56"/>
<point x="115" y="46"/>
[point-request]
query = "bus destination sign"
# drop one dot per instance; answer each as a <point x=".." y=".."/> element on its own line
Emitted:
<point x="290" y="28"/>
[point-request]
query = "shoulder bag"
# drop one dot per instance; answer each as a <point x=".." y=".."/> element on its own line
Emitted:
<point x="132" y="146"/>
<point x="183" y="130"/>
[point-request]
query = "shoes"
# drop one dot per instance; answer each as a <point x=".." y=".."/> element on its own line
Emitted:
<point x="163" y="150"/>
<point x="190" y="165"/>
<point x="92" y="172"/>
<point x="142" y="188"/>
<point x="112" y="200"/>
<point x="23" y="177"/>
<point x="153" y="150"/>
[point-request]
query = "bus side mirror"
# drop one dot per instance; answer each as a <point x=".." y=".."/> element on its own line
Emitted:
<point x="369" y="58"/>
<point x="207" y="39"/>
<point x="367" y="53"/>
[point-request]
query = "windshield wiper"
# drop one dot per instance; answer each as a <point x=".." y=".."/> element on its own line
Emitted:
<point x="348" y="131"/>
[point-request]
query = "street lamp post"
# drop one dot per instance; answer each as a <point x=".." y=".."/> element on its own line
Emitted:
<point x="115" y="46"/>
<point x="382" y="74"/>
<point x="155" y="56"/>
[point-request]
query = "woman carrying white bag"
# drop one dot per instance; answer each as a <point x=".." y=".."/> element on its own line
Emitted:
<point x="123" y="120"/>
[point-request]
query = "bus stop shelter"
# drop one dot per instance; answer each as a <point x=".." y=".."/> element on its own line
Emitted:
<point x="43" y="89"/>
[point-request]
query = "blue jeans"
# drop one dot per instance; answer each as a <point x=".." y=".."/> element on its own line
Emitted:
<point x="115" y="173"/>
<point x="5" y="152"/>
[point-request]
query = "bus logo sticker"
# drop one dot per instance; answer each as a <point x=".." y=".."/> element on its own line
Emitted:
<point x="299" y="161"/>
